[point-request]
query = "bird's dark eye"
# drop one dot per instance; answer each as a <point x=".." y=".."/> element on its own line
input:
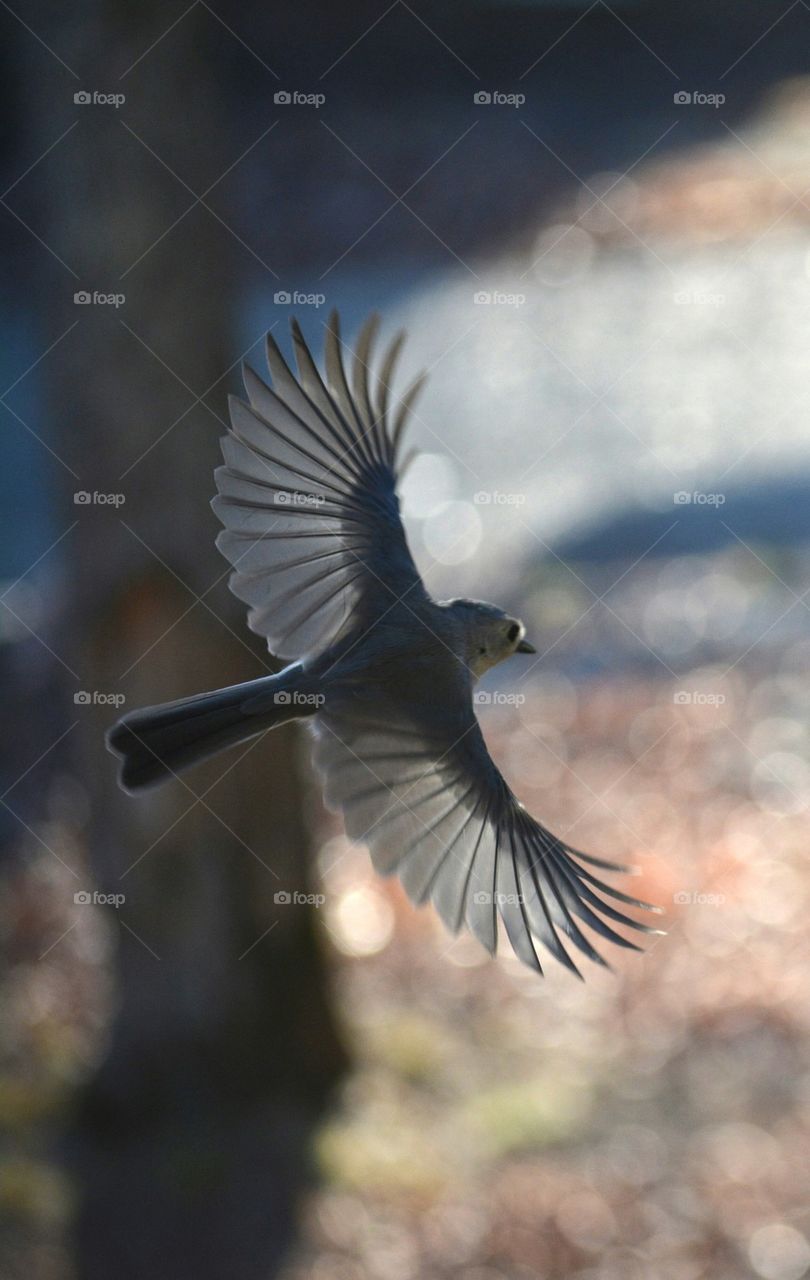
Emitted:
<point x="482" y="651"/>
<point x="513" y="633"/>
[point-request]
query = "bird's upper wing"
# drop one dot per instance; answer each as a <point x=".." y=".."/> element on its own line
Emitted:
<point x="308" y="496"/>
<point x="402" y="755"/>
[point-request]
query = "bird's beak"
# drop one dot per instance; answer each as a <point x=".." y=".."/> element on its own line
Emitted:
<point x="525" y="647"/>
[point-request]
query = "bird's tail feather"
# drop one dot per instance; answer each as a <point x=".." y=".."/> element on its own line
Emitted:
<point x="156" y="743"/>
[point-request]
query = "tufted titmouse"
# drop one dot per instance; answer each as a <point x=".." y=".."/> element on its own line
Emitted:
<point x="384" y="673"/>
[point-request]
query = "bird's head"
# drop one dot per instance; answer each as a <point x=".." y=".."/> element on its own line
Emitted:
<point x="490" y="635"/>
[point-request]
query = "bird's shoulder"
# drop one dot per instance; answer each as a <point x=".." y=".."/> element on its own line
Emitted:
<point x="412" y="655"/>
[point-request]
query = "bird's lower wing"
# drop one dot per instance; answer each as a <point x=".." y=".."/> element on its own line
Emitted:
<point x="416" y="783"/>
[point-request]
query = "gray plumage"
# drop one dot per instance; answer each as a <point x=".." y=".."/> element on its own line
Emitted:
<point x="385" y="674"/>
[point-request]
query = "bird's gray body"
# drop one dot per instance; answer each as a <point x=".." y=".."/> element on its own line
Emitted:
<point x="384" y="673"/>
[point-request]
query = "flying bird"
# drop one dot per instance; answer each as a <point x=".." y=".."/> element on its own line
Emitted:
<point x="383" y="672"/>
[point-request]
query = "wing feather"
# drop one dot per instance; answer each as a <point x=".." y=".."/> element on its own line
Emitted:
<point x="405" y="408"/>
<point x="307" y="498"/>
<point x="418" y="786"/>
<point x="339" y="388"/>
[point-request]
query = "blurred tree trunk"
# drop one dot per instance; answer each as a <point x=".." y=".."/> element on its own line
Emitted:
<point x="191" y="1139"/>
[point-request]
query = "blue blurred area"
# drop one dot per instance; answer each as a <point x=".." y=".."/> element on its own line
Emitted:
<point x="27" y="524"/>
<point x="775" y="512"/>
<point x="352" y="290"/>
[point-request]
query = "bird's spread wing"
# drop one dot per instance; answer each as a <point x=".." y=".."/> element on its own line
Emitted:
<point x="407" y="764"/>
<point x="308" y="495"/>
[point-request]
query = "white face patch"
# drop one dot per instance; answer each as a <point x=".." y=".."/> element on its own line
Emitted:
<point x="491" y="641"/>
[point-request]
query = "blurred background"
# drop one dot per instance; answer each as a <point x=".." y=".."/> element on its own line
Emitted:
<point x="228" y="1050"/>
